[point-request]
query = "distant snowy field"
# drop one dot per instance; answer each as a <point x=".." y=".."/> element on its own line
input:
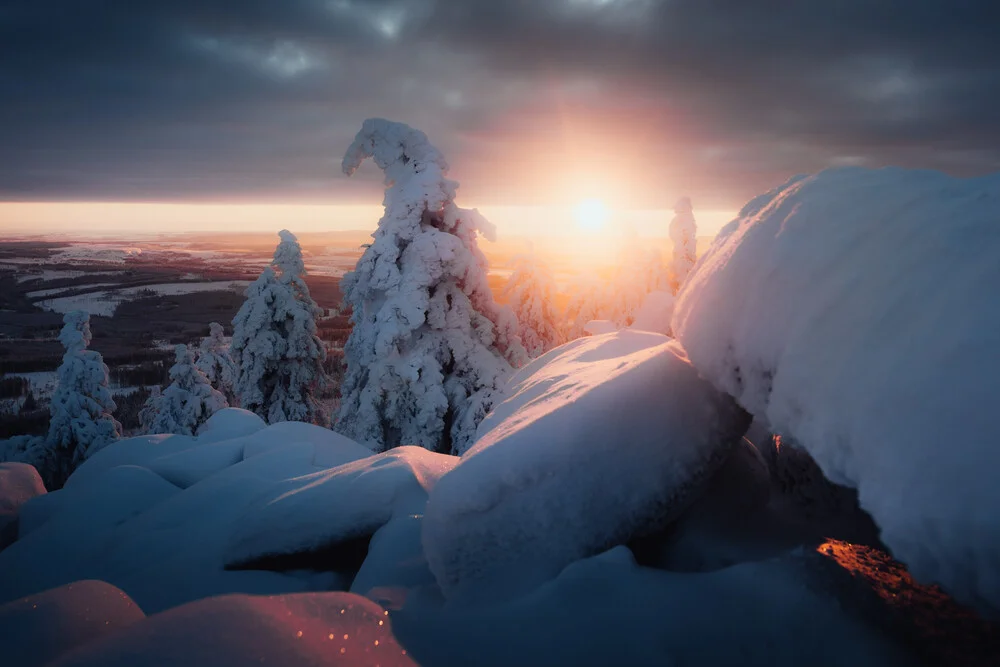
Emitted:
<point x="105" y="302"/>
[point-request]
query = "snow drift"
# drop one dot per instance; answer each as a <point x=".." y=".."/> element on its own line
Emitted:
<point x="857" y="312"/>
<point x="574" y="461"/>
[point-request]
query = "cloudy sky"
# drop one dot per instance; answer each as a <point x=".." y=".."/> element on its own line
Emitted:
<point x="535" y="102"/>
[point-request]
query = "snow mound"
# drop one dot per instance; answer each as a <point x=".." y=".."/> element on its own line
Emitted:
<point x="599" y="440"/>
<point x="607" y="611"/>
<point x="132" y="526"/>
<point x="40" y="628"/>
<point x="857" y="312"/>
<point x="19" y="483"/>
<point x="655" y="313"/>
<point x="230" y="423"/>
<point x="81" y="529"/>
<point x="328" y="629"/>
<point x="317" y="511"/>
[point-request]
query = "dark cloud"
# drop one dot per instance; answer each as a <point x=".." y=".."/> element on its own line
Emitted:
<point x="219" y="99"/>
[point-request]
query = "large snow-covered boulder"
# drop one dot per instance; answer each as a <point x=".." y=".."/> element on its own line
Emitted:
<point x="230" y="423"/>
<point x="158" y="527"/>
<point x="598" y="440"/>
<point x="856" y="311"/>
<point x="319" y="630"/>
<point x="316" y="511"/>
<point x="40" y="628"/>
<point x="19" y="483"/>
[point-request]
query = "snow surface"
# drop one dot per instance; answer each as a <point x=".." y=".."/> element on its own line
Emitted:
<point x="575" y="460"/>
<point x="19" y="483"/>
<point x="607" y="611"/>
<point x="856" y="312"/>
<point x="318" y="630"/>
<point x="312" y="512"/>
<point x="40" y="628"/>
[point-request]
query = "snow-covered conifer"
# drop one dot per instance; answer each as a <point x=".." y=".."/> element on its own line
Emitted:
<point x="214" y="360"/>
<point x="278" y="355"/>
<point x="187" y="402"/>
<point x="150" y="411"/>
<point x="429" y="346"/>
<point x="588" y="298"/>
<point x="640" y="271"/>
<point x="531" y="293"/>
<point x="683" y="234"/>
<point x="81" y="407"/>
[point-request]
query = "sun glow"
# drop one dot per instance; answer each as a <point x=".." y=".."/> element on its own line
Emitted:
<point x="590" y="215"/>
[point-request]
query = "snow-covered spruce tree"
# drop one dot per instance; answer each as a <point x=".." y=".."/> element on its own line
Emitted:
<point x="150" y="410"/>
<point x="429" y="347"/>
<point x="684" y="235"/>
<point x="187" y="402"/>
<point x="81" y="408"/>
<point x="531" y="293"/>
<point x="588" y="301"/>
<point x="278" y="356"/>
<point x="214" y="361"/>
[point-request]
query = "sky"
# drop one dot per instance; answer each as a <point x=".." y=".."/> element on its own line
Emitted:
<point x="205" y="109"/>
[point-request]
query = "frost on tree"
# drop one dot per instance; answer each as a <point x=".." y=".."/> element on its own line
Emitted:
<point x="214" y="360"/>
<point x="683" y="234"/>
<point x="429" y="346"/>
<point x="277" y="353"/>
<point x="186" y="403"/>
<point x="640" y="271"/>
<point x="81" y="422"/>
<point x="531" y="293"/>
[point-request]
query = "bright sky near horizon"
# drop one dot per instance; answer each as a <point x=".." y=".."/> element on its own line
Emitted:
<point x="102" y="218"/>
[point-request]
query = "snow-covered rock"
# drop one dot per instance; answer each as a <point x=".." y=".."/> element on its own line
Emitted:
<point x="230" y="423"/>
<point x="39" y="628"/>
<point x="81" y="529"/>
<point x="856" y="311"/>
<point x="318" y="630"/>
<point x="605" y="610"/>
<point x="19" y="483"/>
<point x="655" y="313"/>
<point x="597" y="441"/>
<point x="158" y="529"/>
<point x="316" y="512"/>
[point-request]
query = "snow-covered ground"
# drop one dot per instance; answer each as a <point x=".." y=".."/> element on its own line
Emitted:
<point x="55" y="291"/>
<point x="105" y="302"/>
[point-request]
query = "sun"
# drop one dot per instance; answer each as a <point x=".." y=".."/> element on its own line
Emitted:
<point x="590" y="215"/>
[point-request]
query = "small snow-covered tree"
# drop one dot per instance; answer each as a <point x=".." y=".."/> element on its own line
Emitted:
<point x="150" y="411"/>
<point x="684" y="235"/>
<point x="214" y="360"/>
<point x="278" y="355"/>
<point x="187" y="402"/>
<point x="588" y="301"/>
<point x="429" y="347"/>
<point x="81" y="407"/>
<point x="531" y="293"/>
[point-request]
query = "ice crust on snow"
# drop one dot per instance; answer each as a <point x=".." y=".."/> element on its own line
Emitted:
<point x="856" y="312"/>
<point x="575" y="460"/>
